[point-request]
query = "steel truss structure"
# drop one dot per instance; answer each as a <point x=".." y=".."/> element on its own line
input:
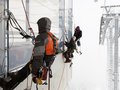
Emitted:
<point x="110" y="29"/>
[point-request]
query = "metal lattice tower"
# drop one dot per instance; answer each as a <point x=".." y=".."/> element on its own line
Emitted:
<point x="109" y="29"/>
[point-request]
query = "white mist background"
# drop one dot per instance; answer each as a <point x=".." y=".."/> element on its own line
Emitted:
<point x="90" y="69"/>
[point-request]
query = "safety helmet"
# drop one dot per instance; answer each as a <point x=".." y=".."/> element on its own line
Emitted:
<point x="44" y="24"/>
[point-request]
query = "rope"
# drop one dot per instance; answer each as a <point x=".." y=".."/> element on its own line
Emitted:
<point x="17" y="26"/>
<point x="31" y="84"/>
<point x="61" y="77"/>
<point x="36" y="86"/>
<point x="49" y="80"/>
<point x="27" y="18"/>
<point x="27" y="81"/>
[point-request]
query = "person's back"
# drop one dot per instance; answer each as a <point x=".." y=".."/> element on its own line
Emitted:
<point x="44" y="50"/>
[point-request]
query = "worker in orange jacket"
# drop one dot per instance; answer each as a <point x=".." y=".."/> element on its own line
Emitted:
<point x="45" y="48"/>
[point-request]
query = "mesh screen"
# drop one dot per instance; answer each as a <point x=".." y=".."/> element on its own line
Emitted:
<point x="2" y="38"/>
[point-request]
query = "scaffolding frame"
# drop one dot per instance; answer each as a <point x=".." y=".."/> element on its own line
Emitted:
<point x="109" y="29"/>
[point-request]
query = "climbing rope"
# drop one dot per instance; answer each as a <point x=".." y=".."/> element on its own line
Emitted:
<point x="27" y="18"/>
<point x="33" y="37"/>
<point x="61" y="78"/>
<point x="36" y="86"/>
<point x="16" y="25"/>
<point x="49" y="80"/>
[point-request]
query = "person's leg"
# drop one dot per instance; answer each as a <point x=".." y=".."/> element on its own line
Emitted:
<point x="66" y="55"/>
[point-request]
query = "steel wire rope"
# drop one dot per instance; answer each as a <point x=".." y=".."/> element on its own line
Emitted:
<point x="17" y="27"/>
<point x="64" y="34"/>
<point x="27" y="18"/>
<point x="61" y="77"/>
<point x="27" y="86"/>
<point x="13" y="19"/>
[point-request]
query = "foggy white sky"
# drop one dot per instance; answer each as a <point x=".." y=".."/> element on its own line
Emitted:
<point x="90" y="68"/>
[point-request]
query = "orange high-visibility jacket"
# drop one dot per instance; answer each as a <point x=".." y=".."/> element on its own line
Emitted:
<point x="52" y="44"/>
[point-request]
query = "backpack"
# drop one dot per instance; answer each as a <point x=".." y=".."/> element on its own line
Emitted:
<point x="52" y="45"/>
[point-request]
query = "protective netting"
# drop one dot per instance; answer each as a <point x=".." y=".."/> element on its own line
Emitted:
<point x="2" y="47"/>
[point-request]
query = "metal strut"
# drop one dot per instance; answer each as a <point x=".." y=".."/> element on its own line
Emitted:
<point x="49" y="80"/>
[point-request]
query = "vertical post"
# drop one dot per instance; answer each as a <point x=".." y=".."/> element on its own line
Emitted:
<point x="62" y="20"/>
<point x="6" y="27"/>
<point x="70" y="14"/>
<point x="27" y="12"/>
<point x="49" y="78"/>
<point x="116" y="55"/>
<point x="8" y="37"/>
<point x="110" y="58"/>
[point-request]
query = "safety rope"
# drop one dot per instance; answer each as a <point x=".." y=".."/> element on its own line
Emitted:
<point x="61" y="77"/>
<point x="36" y="86"/>
<point x="27" y="81"/>
<point x="27" y="18"/>
<point x="16" y="25"/>
<point x="49" y="80"/>
<point x="31" y="84"/>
